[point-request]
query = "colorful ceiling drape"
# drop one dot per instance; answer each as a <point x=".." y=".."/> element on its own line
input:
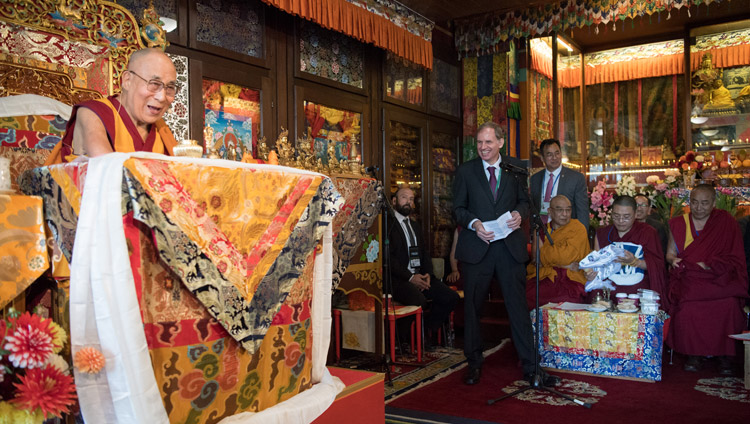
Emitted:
<point x="490" y="33"/>
<point x="384" y="23"/>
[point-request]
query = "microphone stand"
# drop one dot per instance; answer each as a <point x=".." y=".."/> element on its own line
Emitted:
<point x="537" y="383"/>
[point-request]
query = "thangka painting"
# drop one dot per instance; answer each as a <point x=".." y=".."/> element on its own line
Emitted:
<point x="324" y="125"/>
<point x="231" y="118"/>
<point x="485" y="97"/>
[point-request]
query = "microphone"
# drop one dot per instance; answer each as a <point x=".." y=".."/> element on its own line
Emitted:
<point x="513" y="168"/>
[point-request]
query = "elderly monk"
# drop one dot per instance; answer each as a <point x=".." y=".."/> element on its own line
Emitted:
<point x="129" y="122"/>
<point x="708" y="281"/>
<point x="626" y="231"/>
<point x="560" y="280"/>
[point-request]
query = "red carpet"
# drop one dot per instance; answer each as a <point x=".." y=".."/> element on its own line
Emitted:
<point x="681" y="397"/>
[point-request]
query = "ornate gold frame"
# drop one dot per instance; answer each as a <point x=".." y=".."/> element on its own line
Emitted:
<point x="101" y="23"/>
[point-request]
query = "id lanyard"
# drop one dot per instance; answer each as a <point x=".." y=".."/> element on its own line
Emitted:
<point x="545" y="205"/>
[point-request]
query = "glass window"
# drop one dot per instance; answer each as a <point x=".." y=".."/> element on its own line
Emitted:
<point x="444" y="162"/>
<point x="444" y="85"/>
<point x="403" y="80"/>
<point x="633" y="113"/>
<point x="234" y="25"/>
<point x="569" y="95"/>
<point x="720" y="90"/>
<point x="406" y="166"/>
<point x="333" y="130"/>
<point x="231" y="119"/>
<point x="330" y="54"/>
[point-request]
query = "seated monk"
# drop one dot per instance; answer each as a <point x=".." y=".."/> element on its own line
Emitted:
<point x="644" y="271"/>
<point x="560" y="280"/>
<point x="129" y="122"/>
<point x="708" y="281"/>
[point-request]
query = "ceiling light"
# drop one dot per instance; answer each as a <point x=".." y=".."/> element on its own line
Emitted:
<point x="697" y="120"/>
<point x="709" y="132"/>
<point x="564" y="44"/>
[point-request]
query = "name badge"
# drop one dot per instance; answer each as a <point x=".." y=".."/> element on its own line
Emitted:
<point x="414" y="257"/>
<point x="544" y="208"/>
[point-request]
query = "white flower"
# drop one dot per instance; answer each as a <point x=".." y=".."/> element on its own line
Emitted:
<point x="699" y="158"/>
<point x="652" y="179"/>
<point x="58" y="362"/>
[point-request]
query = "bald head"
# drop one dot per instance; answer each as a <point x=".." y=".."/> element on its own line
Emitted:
<point x="702" y="201"/>
<point x="148" y="87"/>
<point x="559" y="211"/>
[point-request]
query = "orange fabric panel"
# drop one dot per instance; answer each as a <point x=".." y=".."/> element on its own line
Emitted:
<point x="636" y="69"/>
<point x="342" y="16"/>
<point x="724" y="57"/>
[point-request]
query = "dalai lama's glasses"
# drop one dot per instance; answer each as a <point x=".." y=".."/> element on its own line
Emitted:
<point x="156" y="86"/>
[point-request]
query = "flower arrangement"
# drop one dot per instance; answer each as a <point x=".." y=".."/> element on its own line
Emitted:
<point x="626" y="186"/>
<point x="601" y="201"/>
<point x="691" y="165"/>
<point x="725" y="200"/>
<point x="665" y="195"/>
<point x="37" y="384"/>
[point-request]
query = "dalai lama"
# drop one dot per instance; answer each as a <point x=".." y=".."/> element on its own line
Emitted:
<point x="129" y="122"/>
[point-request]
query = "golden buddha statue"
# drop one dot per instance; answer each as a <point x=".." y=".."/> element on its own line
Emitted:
<point x="720" y="102"/>
<point x="285" y="149"/>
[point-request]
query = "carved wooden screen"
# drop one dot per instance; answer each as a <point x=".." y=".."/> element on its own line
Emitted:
<point x="69" y="50"/>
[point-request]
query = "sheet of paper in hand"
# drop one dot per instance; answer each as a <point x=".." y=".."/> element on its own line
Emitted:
<point x="628" y="275"/>
<point x="499" y="226"/>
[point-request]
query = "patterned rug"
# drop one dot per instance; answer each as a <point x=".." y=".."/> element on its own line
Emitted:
<point x="408" y="416"/>
<point x="681" y="397"/>
<point x="408" y="378"/>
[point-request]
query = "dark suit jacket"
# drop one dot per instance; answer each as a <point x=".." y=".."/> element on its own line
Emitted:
<point x="472" y="199"/>
<point x="400" y="252"/>
<point x="572" y="184"/>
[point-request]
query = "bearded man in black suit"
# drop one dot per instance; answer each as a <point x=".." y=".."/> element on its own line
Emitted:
<point x="411" y="267"/>
<point x="483" y="191"/>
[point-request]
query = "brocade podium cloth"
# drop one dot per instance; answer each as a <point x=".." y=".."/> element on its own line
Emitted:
<point x="205" y="283"/>
<point x="23" y="248"/>
<point x="602" y="343"/>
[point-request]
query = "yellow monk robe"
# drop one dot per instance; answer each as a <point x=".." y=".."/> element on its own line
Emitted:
<point x="121" y="131"/>
<point x="558" y="284"/>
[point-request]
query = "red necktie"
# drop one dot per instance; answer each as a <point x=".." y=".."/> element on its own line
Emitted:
<point x="493" y="181"/>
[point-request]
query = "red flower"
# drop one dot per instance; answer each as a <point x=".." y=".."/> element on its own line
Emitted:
<point x="30" y="342"/>
<point x="48" y="389"/>
<point x="689" y="156"/>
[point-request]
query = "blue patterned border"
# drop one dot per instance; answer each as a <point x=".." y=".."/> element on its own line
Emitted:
<point x="648" y="368"/>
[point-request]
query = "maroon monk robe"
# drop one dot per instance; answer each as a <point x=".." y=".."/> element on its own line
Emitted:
<point x="655" y="276"/>
<point x="562" y="289"/>
<point x="707" y="302"/>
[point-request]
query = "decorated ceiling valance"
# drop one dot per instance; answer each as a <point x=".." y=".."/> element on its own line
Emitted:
<point x="485" y="34"/>
<point x="728" y="49"/>
<point x="385" y="23"/>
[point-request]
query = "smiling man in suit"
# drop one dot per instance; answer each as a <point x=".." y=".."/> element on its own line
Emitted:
<point x="556" y="179"/>
<point x="483" y="191"/>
